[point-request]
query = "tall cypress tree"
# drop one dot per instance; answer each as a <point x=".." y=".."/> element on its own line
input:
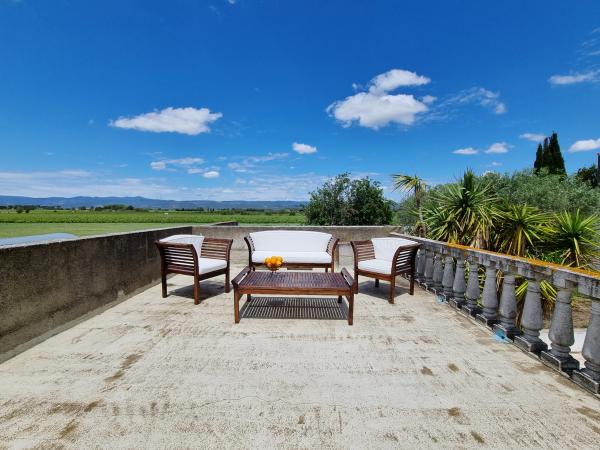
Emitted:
<point x="546" y="159"/>
<point x="537" y="165"/>
<point x="557" y="163"/>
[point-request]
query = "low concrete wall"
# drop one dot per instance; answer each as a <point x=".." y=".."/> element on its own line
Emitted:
<point x="43" y="286"/>
<point x="344" y="234"/>
<point x="239" y="253"/>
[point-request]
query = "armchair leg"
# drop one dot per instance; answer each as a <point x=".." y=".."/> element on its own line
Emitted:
<point x="392" y="289"/>
<point x="196" y="290"/>
<point x="164" y="284"/>
<point x="227" y="286"/>
<point x="412" y="284"/>
<point x="355" y="283"/>
<point x="376" y="282"/>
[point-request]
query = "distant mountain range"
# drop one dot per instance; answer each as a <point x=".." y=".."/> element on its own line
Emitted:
<point x="142" y="202"/>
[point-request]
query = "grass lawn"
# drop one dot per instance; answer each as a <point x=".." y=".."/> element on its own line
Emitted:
<point x="87" y="223"/>
<point x="78" y="229"/>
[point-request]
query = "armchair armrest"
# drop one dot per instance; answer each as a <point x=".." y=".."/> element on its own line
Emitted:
<point x="404" y="258"/>
<point x="332" y="245"/>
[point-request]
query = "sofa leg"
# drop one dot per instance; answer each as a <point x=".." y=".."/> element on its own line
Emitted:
<point x="326" y="269"/>
<point x="376" y="282"/>
<point x="164" y="284"/>
<point x="412" y="284"/>
<point x="392" y="289"/>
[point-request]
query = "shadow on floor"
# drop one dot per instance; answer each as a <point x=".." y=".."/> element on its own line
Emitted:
<point x="324" y="308"/>
<point x="208" y="289"/>
<point x="383" y="291"/>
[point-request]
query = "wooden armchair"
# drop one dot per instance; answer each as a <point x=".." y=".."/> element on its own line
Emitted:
<point x="384" y="259"/>
<point x="182" y="258"/>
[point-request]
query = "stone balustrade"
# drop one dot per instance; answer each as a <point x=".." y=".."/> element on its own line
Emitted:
<point x="456" y="273"/>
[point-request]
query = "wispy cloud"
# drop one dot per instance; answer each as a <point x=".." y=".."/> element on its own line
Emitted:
<point x="585" y="145"/>
<point x="211" y="174"/>
<point x="190" y="121"/>
<point x="495" y="148"/>
<point x="479" y="96"/>
<point x="303" y="148"/>
<point x="248" y="164"/>
<point x="466" y="151"/>
<point x="574" y="78"/>
<point x="533" y="137"/>
<point x="165" y="164"/>
<point x="498" y="147"/>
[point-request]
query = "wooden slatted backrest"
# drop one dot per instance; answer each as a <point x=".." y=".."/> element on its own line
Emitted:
<point x="215" y="248"/>
<point x="405" y="258"/>
<point x="363" y="250"/>
<point x="178" y="258"/>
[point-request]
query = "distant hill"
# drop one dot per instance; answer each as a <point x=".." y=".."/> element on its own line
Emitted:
<point x="142" y="202"/>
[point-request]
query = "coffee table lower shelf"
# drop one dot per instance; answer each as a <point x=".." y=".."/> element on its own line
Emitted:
<point x="250" y="282"/>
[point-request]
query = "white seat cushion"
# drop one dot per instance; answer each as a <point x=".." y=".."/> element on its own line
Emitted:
<point x="290" y="241"/>
<point x="293" y="257"/>
<point x="385" y="248"/>
<point x="194" y="239"/>
<point x="207" y="265"/>
<point x="376" y="265"/>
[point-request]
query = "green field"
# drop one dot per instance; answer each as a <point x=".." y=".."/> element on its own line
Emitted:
<point x="86" y="223"/>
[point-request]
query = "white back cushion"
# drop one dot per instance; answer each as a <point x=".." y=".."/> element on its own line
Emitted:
<point x="385" y="248"/>
<point x="194" y="239"/>
<point x="290" y="241"/>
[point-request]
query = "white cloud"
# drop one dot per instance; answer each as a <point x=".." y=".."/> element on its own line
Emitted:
<point x="498" y="147"/>
<point x="211" y="174"/>
<point x="466" y="151"/>
<point x="158" y="165"/>
<point x="376" y="111"/>
<point x="533" y="137"/>
<point x="480" y="96"/>
<point x="303" y="148"/>
<point x="189" y="121"/>
<point x="428" y="99"/>
<point x="574" y="78"/>
<point x="249" y="163"/>
<point x="585" y="145"/>
<point x="188" y="162"/>
<point x="496" y="164"/>
<point x="378" y="108"/>
<point x="394" y="79"/>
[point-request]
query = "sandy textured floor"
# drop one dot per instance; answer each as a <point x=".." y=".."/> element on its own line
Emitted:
<point x="163" y="373"/>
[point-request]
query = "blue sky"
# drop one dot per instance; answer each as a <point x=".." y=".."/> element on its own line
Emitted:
<point x="249" y="99"/>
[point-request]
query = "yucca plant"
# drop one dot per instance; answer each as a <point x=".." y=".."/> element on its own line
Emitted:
<point x="575" y="239"/>
<point x="440" y="224"/>
<point x="416" y="185"/>
<point x="519" y="228"/>
<point x="473" y="206"/>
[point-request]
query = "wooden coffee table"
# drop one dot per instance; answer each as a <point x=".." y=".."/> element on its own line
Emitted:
<point x="293" y="283"/>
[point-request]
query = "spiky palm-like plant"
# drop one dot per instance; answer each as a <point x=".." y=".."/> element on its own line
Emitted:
<point x="519" y="228"/>
<point x="473" y="207"/>
<point x="416" y="185"/>
<point x="575" y="239"/>
<point x="440" y="224"/>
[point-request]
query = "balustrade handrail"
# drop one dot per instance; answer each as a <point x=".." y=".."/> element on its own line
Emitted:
<point x="587" y="280"/>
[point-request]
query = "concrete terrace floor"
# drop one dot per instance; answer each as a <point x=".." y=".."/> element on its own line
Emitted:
<point x="163" y="373"/>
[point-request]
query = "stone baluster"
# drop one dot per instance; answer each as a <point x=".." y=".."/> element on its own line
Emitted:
<point x="561" y="332"/>
<point x="421" y="265"/>
<point x="473" y="291"/>
<point x="507" y="310"/>
<point x="448" y="277"/>
<point x="532" y="320"/>
<point x="589" y="377"/>
<point x="438" y="273"/>
<point x="429" y="268"/>
<point x="459" y="286"/>
<point x="489" y="314"/>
